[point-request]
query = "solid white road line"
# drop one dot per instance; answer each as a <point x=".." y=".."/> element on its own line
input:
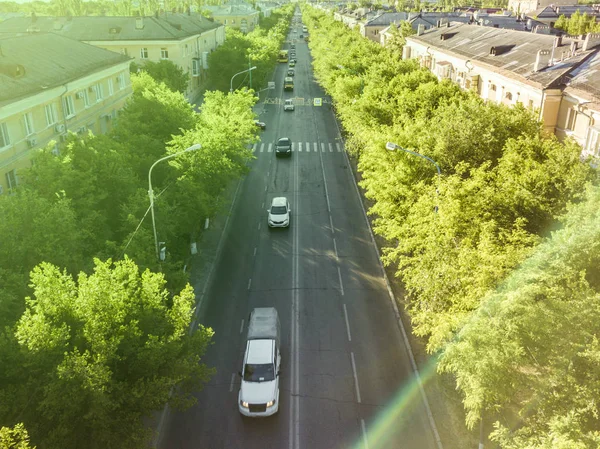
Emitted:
<point x="242" y="326"/>
<point x="411" y="356"/>
<point x="249" y="283"/>
<point x="355" y="378"/>
<point x="364" y="434"/>
<point x="231" y="384"/>
<point x="347" y="323"/>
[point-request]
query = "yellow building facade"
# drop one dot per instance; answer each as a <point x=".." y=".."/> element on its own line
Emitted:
<point x="49" y="86"/>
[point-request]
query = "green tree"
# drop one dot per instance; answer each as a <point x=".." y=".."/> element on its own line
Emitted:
<point x="92" y="172"/>
<point x="14" y="438"/>
<point x="107" y="350"/>
<point x="164" y="71"/>
<point x="533" y="348"/>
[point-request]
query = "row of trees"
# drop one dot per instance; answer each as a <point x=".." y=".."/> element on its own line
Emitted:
<point x="498" y="255"/>
<point x="578" y="24"/>
<point x="94" y="334"/>
<point x="106" y="7"/>
<point x="86" y="357"/>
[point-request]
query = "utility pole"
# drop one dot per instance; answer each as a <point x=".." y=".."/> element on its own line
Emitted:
<point x="250" y="71"/>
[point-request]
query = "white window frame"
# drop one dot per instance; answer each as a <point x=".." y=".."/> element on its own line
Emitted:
<point x="195" y="67"/>
<point x="12" y="180"/>
<point x="69" y="106"/>
<point x="28" y="123"/>
<point x="592" y="144"/>
<point x="99" y="91"/>
<point x="111" y="87"/>
<point x="4" y="136"/>
<point x="144" y="53"/>
<point x="121" y="81"/>
<point x="51" y="115"/>
<point x="86" y="98"/>
<point x="571" y="119"/>
<point x="164" y="53"/>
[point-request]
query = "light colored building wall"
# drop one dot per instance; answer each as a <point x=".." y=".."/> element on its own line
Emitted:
<point x="86" y="104"/>
<point x="242" y="22"/>
<point x="563" y="114"/>
<point x="181" y="52"/>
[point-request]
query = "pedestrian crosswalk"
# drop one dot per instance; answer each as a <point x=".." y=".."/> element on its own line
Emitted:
<point x="301" y="147"/>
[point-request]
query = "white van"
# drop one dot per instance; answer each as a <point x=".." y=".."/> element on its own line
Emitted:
<point x="259" y="391"/>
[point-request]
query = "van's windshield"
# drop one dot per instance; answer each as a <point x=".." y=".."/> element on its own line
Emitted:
<point x="259" y="373"/>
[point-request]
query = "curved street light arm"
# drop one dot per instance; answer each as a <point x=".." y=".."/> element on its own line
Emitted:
<point x="194" y="147"/>
<point x="238" y="73"/>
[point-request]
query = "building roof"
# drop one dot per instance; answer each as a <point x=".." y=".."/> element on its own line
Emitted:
<point x="30" y="64"/>
<point x="585" y="80"/>
<point x="240" y="9"/>
<point x="387" y="18"/>
<point x="515" y="51"/>
<point x="100" y="28"/>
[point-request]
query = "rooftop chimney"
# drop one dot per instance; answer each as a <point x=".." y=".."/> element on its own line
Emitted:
<point x="591" y="40"/>
<point x="558" y="41"/>
<point x="541" y="61"/>
<point x="420" y="29"/>
<point x="139" y="23"/>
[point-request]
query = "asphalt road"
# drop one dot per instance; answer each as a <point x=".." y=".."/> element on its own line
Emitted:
<point x="346" y="378"/>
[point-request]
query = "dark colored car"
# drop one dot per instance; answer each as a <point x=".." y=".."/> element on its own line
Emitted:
<point x="261" y="125"/>
<point x="291" y="72"/>
<point x="283" y="147"/>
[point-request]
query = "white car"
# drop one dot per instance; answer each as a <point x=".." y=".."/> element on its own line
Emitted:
<point x="279" y="213"/>
<point x="288" y="105"/>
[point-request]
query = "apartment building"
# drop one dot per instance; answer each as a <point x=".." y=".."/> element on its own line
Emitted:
<point x="50" y="85"/>
<point x="552" y="75"/>
<point x="240" y="16"/>
<point x="184" y="39"/>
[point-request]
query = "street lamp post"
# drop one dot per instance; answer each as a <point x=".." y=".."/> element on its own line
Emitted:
<point x="194" y="147"/>
<point x="239" y="73"/>
<point x="392" y="147"/>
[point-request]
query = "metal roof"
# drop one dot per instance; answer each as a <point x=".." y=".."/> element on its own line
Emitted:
<point x="101" y="28"/>
<point x="47" y="60"/>
<point x="515" y="51"/>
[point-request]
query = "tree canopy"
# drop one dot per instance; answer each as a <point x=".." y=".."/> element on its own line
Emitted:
<point x="460" y="241"/>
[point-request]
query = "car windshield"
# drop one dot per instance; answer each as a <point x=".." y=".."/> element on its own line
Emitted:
<point x="283" y="143"/>
<point x="278" y="210"/>
<point x="259" y="373"/>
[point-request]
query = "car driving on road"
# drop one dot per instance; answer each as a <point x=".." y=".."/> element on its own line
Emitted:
<point x="279" y="213"/>
<point x="283" y="147"/>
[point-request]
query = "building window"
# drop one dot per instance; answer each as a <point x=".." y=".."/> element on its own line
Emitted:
<point x="225" y="22"/>
<point x="124" y="52"/>
<point x="86" y="98"/>
<point x="4" y="137"/>
<point x="69" y="106"/>
<point x="195" y="67"/>
<point x="186" y="51"/>
<point x="530" y="105"/>
<point x="144" y="53"/>
<point x="592" y="145"/>
<point x="493" y="88"/>
<point x="164" y="53"/>
<point x="28" y="122"/>
<point x="99" y="90"/>
<point x="571" y="119"/>
<point x="121" y="81"/>
<point x="51" y="116"/>
<point x="11" y="179"/>
<point x="111" y="87"/>
<point x="232" y="21"/>
<point x="508" y="96"/>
